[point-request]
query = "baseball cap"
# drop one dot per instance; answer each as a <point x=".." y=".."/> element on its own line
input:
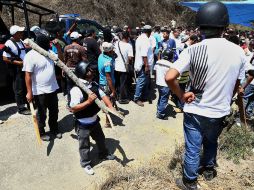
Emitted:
<point x="107" y="47"/>
<point x="75" y="35"/>
<point x="147" y="27"/>
<point x="15" y="28"/>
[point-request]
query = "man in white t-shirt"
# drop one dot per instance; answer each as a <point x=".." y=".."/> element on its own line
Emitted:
<point x="42" y="87"/>
<point x="124" y="53"/>
<point x="13" y="55"/>
<point x="141" y="65"/>
<point x="214" y="77"/>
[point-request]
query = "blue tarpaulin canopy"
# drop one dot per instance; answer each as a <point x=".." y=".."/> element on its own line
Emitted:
<point x="240" y="12"/>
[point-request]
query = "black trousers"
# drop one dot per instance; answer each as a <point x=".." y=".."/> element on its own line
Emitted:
<point x="84" y="133"/>
<point x="121" y="85"/>
<point x="19" y="88"/>
<point x="44" y="102"/>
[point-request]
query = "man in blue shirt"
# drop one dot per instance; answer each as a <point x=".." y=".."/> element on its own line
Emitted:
<point x="167" y="44"/>
<point x="106" y="67"/>
<point x="157" y="37"/>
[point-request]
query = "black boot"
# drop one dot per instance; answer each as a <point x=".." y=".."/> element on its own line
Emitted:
<point x="185" y="184"/>
<point x="209" y="173"/>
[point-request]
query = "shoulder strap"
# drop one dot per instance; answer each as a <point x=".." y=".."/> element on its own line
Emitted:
<point x="121" y="52"/>
<point x="18" y="48"/>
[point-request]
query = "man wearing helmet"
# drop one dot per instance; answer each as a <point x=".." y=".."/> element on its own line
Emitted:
<point x="85" y="110"/>
<point x="161" y="67"/>
<point x="214" y="78"/>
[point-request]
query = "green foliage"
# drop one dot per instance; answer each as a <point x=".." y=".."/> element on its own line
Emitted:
<point x="237" y="143"/>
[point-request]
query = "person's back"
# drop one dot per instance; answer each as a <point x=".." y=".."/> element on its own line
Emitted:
<point x="73" y="54"/>
<point x="122" y="60"/>
<point x="142" y="46"/>
<point x="93" y="50"/>
<point x="105" y="64"/>
<point x="161" y="67"/>
<point x="213" y="74"/>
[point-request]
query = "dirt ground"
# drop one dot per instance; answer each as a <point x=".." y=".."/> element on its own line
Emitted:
<point x="143" y="145"/>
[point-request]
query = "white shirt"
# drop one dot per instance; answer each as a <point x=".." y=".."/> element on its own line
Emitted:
<point x="77" y="98"/>
<point x="143" y="49"/>
<point x="43" y="73"/>
<point x="14" y="49"/>
<point x="127" y="51"/>
<point x="250" y="67"/>
<point x="151" y="52"/>
<point x="179" y="44"/>
<point x="215" y="65"/>
<point x="161" y="67"/>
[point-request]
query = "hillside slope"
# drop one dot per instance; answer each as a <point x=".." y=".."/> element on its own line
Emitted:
<point x="121" y="12"/>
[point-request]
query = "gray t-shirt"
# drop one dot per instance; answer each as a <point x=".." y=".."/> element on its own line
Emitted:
<point x="43" y="73"/>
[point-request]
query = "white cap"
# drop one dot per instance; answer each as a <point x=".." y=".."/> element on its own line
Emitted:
<point x="35" y="29"/>
<point x="107" y="47"/>
<point x="75" y="35"/>
<point x="14" y="29"/>
<point x="147" y="27"/>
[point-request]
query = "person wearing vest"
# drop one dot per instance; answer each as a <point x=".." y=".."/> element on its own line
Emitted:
<point x="85" y="110"/>
<point x="13" y="55"/>
<point x="73" y="54"/>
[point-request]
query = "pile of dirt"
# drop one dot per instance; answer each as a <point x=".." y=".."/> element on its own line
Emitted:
<point x="121" y="12"/>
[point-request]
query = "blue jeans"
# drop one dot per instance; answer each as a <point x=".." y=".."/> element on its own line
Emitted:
<point x="162" y="104"/>
<point x="249" y="100"/>
<point x="198" y="131"/>
<point x="141" y="86"/>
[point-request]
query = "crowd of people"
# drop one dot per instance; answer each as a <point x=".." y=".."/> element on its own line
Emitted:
<point x="198" y="69"/>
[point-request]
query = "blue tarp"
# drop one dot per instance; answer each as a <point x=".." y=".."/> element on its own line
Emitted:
<point x="240" y="12"/>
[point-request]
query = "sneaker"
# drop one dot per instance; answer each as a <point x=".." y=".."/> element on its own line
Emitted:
<point x="123" y="101"/>
<point x="209" y="174"/>
<point x="1" y="121"/>
<point x="58" y="135"/>
<point x="178" y="110"/>
<point x="45" y="137"/>
<point x="161" y="117"/>
<point x="140" y="103"/>
<point x="184" y="185"/>
<point x="108" y="157"/>
<point x="89" y="170"/>
<point x="24" y="111"/>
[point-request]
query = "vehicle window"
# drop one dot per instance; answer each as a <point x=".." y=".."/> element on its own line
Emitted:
<point x="85" y="26"/>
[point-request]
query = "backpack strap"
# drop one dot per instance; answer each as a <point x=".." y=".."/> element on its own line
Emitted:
<point x="17" y="46"/>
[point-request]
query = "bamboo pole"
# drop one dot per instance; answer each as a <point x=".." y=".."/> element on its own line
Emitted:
<point x="71" y="75"/>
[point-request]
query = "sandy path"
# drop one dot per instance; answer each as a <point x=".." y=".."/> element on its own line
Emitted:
<point x="55" y="165"/>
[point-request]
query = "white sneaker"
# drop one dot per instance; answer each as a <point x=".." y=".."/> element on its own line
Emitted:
<point x="89" y="170"/>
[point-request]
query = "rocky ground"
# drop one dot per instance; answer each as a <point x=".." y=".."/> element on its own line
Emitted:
<point x="144" y="147"/>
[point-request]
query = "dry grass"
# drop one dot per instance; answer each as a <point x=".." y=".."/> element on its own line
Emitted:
<point x="158" y="174"/>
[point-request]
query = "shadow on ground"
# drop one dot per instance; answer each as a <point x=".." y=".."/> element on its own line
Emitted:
<point x="112" y="146"/>
<point x="5" y="114"/>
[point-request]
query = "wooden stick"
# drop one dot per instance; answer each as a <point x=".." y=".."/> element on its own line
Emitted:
<point x="242" y="111"/>
<point x="71" y="75"/>
<point x="35" y="123"/>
